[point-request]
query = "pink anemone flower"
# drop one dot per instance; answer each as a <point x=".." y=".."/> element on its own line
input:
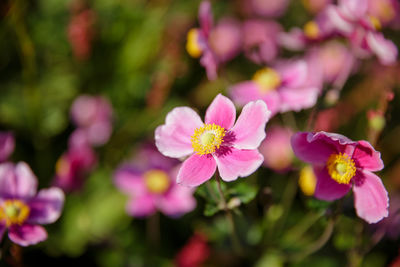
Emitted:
<point x="21" y="209"/>
<point x="150" y="183"/>
<point x="341" y="164"/>
<point x="217" y="142"/>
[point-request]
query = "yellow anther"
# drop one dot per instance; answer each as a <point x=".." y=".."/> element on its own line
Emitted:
<point x="207" y="139"/>
<point x="156" y="181"/>
<point x="311" y="30"/>
<point x="14" y="212"/>
<point x="267" y="79"/>
<point x="307" y="180"/>
<point x="192" y="43"/>
<point x="341" y="168"/>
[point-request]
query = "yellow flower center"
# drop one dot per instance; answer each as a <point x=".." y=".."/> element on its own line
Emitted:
<point x="341" y="168"/>
<point x="156" y="181"/>
<point x="267" y="79"/>
<point x="62" y="166"/>
<point x="192" y="43"/>
<point x="375" y="22"/>
<point x="14" y="212"/>
<point x="311" y="30"/>
<point x="207" y="139"/>
<point x="307" y="180"/>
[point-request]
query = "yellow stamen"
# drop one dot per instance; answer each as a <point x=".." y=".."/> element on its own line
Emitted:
<point x="375" y="22"/>
<point x="192" y="43"/>
<point x="341" y="168"/>
<point x="311" y="30"/>
<point x="307" y="180"/>
<point x="14" y="212"/>
<point x="267" y="79"/>
<point x="156" y="181"/>
<point x="207" y="139"/>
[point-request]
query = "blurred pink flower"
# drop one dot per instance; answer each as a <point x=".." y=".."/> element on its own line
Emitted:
<point x="214" y="44"/>
<point x="93" y="116"/>
<point x="266" y="8"/>
<point x="290" y="85"/>
<point x="260" y="40"/>
<point x="194" y="253"/>
<point x="386" y="11"/>
<point x="341" y="164"/>
<point x="276" y="148"/>
<point x="22" y="209"/>
<point x="219" y="142"/>
<point x="151" y="186"/>
<point x="7" y="145"/>
<point x="315" y="6"/>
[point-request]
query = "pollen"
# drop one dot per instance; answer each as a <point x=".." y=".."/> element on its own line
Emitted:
<point x="157" y="181"/>
<point x="192" y="43"/>
<point x="311" y="30"/>
<point x="341" y="168"/>
<point x="207" y="139"/>
<point x="268" y="79"/>
<point x="375" y="22"/>
<point x="14" y="212"/>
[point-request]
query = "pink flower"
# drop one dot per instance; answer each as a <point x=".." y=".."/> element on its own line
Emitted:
<point x="266" y="8"/>
<point x="341" y="164"/>
<point x="7" y="144"/>
<point x="194" y="253"/>
<point x="291" y="85"/>
<point x="151" y="185"/>
<point x="214" y="45"/>
<point x="93" y="116"/>
<point x="219" y="142"/>
<point x="276" y="148"/>
<point x="21" y="209"/>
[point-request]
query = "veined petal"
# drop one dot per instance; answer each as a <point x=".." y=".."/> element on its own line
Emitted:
<point x="222" y="112"/>
<point x="173" y="139"/>
<point x="26" y="234"/>
<point x="196" y="170"/>
<point x="327" y="188"/>
<point x="366" y="157"/>
<point x="249" y="130"/>
<point x="238" y="163"/>
<point x="370" y="198"/>
<point x="46" y="207"/>
<point x="141" y="206"/>
<point x="17" y="180"/>
<point x="312" y="151"/>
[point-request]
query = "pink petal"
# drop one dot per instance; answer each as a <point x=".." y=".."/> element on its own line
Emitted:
<point x="327" y="188"/>
<point x="367" y="157"/>
<point x="25" y="235"/>
<point x="249" y="130"/>
<point x="340" y="23"/>
<point x="17" y="180"/>
<point x="312" y="151"/>
<point x="196" y="170"/>
<point x="298" y="98"/>
<point x="130" y="181"/>
<point x="210" y="63"/>
<point x="221" y="111"/>
<point x="371" y="198"/>
<point x="385" y="50"/>
<point x="46" y="207"/>
<point x="244" y="92"/>
<point x="293" y="74"/>
<point x="205" y="17"/>
<point x="173" y="139"/>
<point x="237" y="163"/>
<point x="177" y="201"/>
<point x="141" y="206"/>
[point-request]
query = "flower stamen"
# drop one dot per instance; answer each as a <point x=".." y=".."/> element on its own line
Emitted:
<point x="192" y="43"/>
<point x="267" y="79"/>
<point x="157" y="181"/>
<point x="14" y="212"/>
<point x="341" y="168"/>
<point x="207" y="139"/>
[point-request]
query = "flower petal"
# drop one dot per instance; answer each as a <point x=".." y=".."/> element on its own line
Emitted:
<point x="173" y="139"/>
<point x="370" y="198"/>
<point x="177" y="201"/>
<point x="309" y="150"/>
<point x="221" y="111"/>
<point x="327" y="188"/>
<point x="46" y="207"/>
<point x="384" y="49"/>
<point x="293" y="74"/>
<point x="129" y="181"/>
<point x="367" y="157"/>
<point x="196" y="170"/>
<point x="249" y="129"/>
<point x="17" y="180"/>
<point x="26" y="234"/>
<point x="237" y="163"/>
<point x="141" y="206"/>
<point x="298" y="98"/>
<point x="205" y="17"/>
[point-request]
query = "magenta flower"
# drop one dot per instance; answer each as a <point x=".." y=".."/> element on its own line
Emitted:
<point x="21" y="209"/>
<point x="93" y="115"/>
<point x="265" y="8"/>
<point x="291" y="85"/>
<point x="150" y="183"/>
<point x="341" y="164"/>
<point x="217" y="142"/>
<point x="7" y="144"/>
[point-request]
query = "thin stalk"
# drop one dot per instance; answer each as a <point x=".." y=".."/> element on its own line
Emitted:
<point x="153" y="230"/>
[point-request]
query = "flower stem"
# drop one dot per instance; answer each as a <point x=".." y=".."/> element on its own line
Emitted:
<point x="235" y="240"/>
